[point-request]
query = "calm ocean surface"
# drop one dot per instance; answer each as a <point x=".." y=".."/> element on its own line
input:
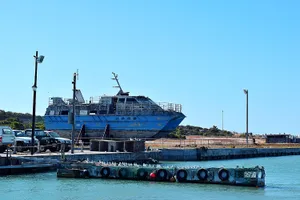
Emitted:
<point x="282" y="182"/>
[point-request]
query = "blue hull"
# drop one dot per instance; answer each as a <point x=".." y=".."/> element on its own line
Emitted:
<point x="171" y="125"/>
<point x="120" y="126"/>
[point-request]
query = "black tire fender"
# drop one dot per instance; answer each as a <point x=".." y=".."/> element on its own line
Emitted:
<point x="105" y="172"/>
<point x="142" y="173"/>
<point x="202" y="174"/>
<point x="181" y="175"/>
<point x="123" y="173"/>
<point x="86" y="174"/>
<point x="223" y="174"/>
<point x="162" y="174"/>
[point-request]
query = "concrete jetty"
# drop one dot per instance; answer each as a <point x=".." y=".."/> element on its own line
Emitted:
<point x="199" y="154"/>
<point x="20" y="165"/>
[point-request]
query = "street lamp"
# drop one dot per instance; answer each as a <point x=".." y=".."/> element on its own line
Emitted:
<point x="246" y="93"/>
<point x="38" y="59"/>
<point x="222" y="120"/>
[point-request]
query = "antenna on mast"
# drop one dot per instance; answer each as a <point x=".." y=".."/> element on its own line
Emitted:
<point x="77" y="74"/>
<point x="119" y="86"/>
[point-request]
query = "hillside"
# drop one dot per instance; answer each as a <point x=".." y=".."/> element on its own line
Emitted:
<point x="182" y="131"/>
<point x="19" y="120"/>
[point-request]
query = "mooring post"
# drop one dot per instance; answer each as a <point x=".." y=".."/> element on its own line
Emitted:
<point x="15" y="147"/>
<point x="7" y="162"/>
<point x="81" y="145"/>
<point x="10" y="152"/>
<point x="62" y="152"/>
<point x="38" y="146"/>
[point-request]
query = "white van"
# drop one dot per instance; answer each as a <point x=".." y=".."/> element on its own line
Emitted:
<point x="7" y="138"/>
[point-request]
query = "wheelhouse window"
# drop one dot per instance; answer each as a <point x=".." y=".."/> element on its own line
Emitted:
<point x="121" y="100"/>
<point x="64" y="112"/>
<point x="142" y="99"/>
<point x="93" y="112"/>
<point x="83" y="112"/>
<point x="131" y="100"/>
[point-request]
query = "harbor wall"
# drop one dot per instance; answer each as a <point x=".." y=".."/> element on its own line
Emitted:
<point x="225" y="153"/>
<point x="178" y="154"/>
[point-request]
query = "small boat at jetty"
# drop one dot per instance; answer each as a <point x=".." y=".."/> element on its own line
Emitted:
<point x="254" y="177"/>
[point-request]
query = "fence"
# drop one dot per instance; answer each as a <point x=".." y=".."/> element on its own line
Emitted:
<point x="201" y="142"/>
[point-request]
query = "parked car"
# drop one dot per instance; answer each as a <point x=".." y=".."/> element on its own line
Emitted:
<point x="46" y="142"/>
<point x="7" y="138"/>
<point x="60" y="140"/>
<point x="23" y="141"/>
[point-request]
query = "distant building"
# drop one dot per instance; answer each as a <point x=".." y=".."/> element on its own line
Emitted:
<point x="280" y="138"/>
<point x="296" y="139"/>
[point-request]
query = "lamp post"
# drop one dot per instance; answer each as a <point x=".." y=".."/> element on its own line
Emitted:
<point x="246" y="93"/>
<point x="222" y="120"/>
<point x="38" y="59"/>
<point x="73" y="112"/>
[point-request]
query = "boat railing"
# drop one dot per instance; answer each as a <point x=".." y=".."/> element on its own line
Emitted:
<point x="67" y="101"/>
<point x="170" y="106"/>
<point x="137" y="108"/>
<point x="145" y="107"/>
<point x="95" y="99"/>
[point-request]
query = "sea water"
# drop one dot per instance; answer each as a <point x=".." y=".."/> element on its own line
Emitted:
<point x="282" y="182"/>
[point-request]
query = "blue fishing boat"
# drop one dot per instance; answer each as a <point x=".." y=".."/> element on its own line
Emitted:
<point x="118" y="116"/>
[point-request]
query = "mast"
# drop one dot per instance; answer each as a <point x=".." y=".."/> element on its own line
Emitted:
<point x="119" y="86"/>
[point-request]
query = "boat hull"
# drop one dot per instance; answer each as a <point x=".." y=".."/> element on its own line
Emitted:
<point x="116" y="134"/>
<point x="119" y="126"/>
<point x="170" y="126"/>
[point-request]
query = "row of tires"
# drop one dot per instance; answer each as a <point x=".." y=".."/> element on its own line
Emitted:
<point x="163" y="174"/>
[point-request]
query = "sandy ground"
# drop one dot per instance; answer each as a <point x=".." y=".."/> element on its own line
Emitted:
<point x="216" y="142"/>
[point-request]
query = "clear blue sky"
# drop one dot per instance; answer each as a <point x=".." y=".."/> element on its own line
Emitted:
<point x="197" y="53"/>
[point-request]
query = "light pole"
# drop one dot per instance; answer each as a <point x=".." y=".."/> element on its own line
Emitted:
<point x="246" y="92"/>
<point x="222" y="120"/>
<point x="73" y="113"/>
<point x="38" y="59"/>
